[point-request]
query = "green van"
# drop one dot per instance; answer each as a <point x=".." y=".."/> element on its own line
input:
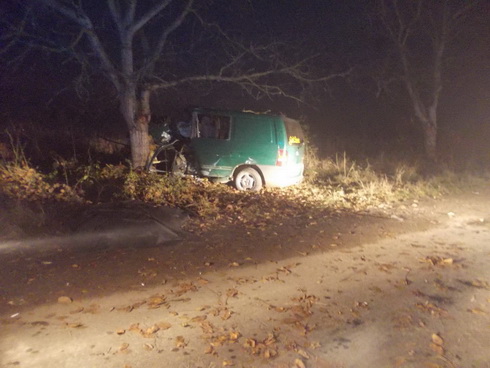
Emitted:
<point x="250" y="149"/>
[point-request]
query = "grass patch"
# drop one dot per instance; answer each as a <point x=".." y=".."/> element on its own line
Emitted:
<point x="331" y="184"/>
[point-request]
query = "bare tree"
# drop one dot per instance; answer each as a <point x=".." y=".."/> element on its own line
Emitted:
<point x="421" y="32"/>
<point x="133" y="43"/>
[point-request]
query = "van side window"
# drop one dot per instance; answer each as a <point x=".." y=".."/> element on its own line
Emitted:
<point x="213" y="126"/>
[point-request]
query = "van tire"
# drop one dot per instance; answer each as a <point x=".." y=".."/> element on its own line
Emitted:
<point x="248" y="179"/>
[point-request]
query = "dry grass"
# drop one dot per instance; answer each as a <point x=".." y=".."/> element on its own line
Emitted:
<point x="331" y="184"/>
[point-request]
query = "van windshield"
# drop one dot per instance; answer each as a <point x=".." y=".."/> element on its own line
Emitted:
<point x="294" y="131"/>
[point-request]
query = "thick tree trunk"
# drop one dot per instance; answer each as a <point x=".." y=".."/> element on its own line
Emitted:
<point x="140" y="148"/>
<point x="136" y="114"/>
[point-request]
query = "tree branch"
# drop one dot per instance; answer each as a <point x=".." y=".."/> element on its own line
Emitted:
<point x="129" y="18"/>
<point x="116" y="15"/>
<point x="79" y="17"/>
<point x="252" y="80"/>
<point x="150" y="64"/>
<point x="149" y="15"/>
<point x="67" y="12"/>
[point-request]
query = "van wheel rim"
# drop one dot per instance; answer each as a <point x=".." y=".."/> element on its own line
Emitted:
<point x="247" y="182"/>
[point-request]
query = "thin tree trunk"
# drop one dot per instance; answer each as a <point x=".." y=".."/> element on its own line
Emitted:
<point x="428" y="121"/>
<point x="430" y="140"/>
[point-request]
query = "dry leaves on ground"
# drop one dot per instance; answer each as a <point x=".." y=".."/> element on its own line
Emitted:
<point x="266" y="348"/>
<point x="184" y="287"/>
<point x="146" y="331"/>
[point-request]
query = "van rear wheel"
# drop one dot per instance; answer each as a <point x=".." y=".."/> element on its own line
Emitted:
<point x="248" y="179"/>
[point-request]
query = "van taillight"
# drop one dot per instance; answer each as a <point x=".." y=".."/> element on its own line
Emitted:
<point x="282" y="157"/>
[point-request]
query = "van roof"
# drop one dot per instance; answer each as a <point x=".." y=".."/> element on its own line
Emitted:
<point x="234" y="112"/>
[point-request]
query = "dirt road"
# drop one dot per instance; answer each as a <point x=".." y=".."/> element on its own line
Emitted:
<point x="409" y="289"/>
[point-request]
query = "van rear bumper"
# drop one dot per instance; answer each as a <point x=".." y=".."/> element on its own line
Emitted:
<point x="278" y="176"/>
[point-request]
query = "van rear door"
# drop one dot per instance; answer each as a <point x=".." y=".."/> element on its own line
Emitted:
<point x="295" y="144"/>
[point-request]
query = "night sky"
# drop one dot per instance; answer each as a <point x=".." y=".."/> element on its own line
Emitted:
<point x="342" y="35"/>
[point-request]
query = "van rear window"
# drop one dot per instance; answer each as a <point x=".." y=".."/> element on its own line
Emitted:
<point x="294" y="131"/>
<point x="213" y="126"/>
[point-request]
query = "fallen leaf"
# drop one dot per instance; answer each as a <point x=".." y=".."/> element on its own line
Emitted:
<point x="386" y="267"/>
<point x="185" y="287"/>
<point x="438" y="261"/>
<point x="202" y="281"/>
<point x="431" y="308"/>
<point x="228" y="363"/>
<point x="476" y="283"/>
<point x="75" y="325"/>
<point x="226" y="314"/>
<point x="234" y="335"/>
<point x="271" y="339"/>
<point x="121" y="331"/>
<point x="250" y="343"/>
<point x="298" y="363"/>
<point x="210" y="350"/>
<point x="156" y="301"/>
<point x="284" y="269"/>
<point x="180" y="342"/>
<point x="135" y="327"/>
<point x="65" y="300"/>
<point x="477" y="311"/>
<point x="437" y="348"/>
<point x="269" y="353"/>
<point x="303" y="353"/>
<point x="199" y="318"/>
<point x="278" y="309"/>
<point x="150" y="331"/>
<point x="232" y="292"/>
<point x="436" y="339"/>
<point x="314" y="345"/>
<point x="207" y="327"/>
<point x="164" y="325"/>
